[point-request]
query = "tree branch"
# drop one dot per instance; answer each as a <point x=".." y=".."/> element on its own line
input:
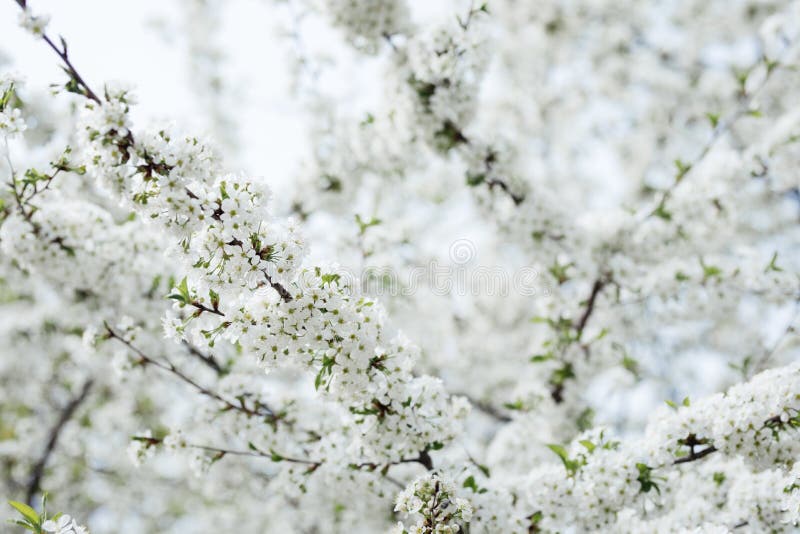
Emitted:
<point x="597" y="287"/>
<point x="207" y="359"/>
<point x="259" y="409"/>
<point x="66" y="414"/>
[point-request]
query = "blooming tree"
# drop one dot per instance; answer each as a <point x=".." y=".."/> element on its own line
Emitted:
<point x="633" y="168"/>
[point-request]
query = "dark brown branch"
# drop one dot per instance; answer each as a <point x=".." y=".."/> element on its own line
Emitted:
<point x="423" y="459"/>
<point x="487" y="408"/>
<point x="207" y="359"/>
<point x="252" y="451"/>
<point x="34" y="485"/>
<point x="517" y="199"/>
<point x="71" y="69"/>
<point x="597" y="287"/>
<point x="282" y="291"/>
<point x="695" y="455"/>
<point x="203" y="308"/>
<point x="68" y="67"/>
<point x="259" y="410"/>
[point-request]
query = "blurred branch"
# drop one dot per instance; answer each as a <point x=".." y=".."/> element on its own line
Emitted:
<point x="66" y="414"/>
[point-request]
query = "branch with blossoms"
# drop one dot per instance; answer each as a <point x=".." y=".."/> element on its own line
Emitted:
<point x="231" y="252"/>
<point x="259" y="409"/>
<point x="754" y="422"/>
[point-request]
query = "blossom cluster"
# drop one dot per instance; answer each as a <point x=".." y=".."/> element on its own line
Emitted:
<point x="433" y="500"/>
<point x="245" y="284"/>
<point x="367" y="24"/>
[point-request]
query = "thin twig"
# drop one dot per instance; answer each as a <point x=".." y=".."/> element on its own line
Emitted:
<point x="597" y="287"/>
<point x="207" y="359"/>
<point x="260" y="409"/>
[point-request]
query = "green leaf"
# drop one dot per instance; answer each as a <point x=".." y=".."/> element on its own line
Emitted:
<point x="773" y="265"/>
<point x="671" y="404"/>
<point x="516" y="405"/>
<point x="710" y="271"/>
<point x="569" y="464"/>
<point x="363" y="224"/>
<point x="585" y="419"/>
<point x="475" y="179"/>
<point x="645" y="478"/>
<point x="27" y="512"/>
<point x="661" y="212"/>
<point x="562" y="374"/>
<point x="436" y="445"/>
<point x="214" y="296"/>
<point x="24" y="524"/>
<point x="630" y="364"/>
<point x="318" y="379"/>
<point x="535" y="518"/>
<point x="538" y="358"/>
<point x="771" y="64"/>
<point x="559" y="450"/>
<point x="588" y="445"/>
<point x="682" y="168"/>
<point x="559" y="272"/>
<point x="181" y="292"/>
<point x="275" y="457"/>
<point x="713" y="118"/>
<point x="470" y="483"/>
<point x="329" y="278"/>
<point x="484" y="469"/>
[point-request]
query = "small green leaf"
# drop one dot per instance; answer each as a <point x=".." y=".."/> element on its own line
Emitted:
<point x="364" y="224"/>
<point x="516" y="405"/>
<point x="585" y="419"/>
<point x="330" y="278"/>
<point x="484" y="469"/>
<point x="535" y="518"/>
<point x="27" y="512"/>
<point x="470" y="483"/>
<point x="682" y="168"/>
<point x="25" y="525"/>
<point x="773" y="266"/>
<point x="713" y="118"/>
<point x="661" y="212"/>
<point x="559" y="450"/>
<point x="569" y="464"/>
<point x="475" y="179"/>
<point x="181" y="292"/>
<point x="645" y="478"/>
<point x="559" y="272"/>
